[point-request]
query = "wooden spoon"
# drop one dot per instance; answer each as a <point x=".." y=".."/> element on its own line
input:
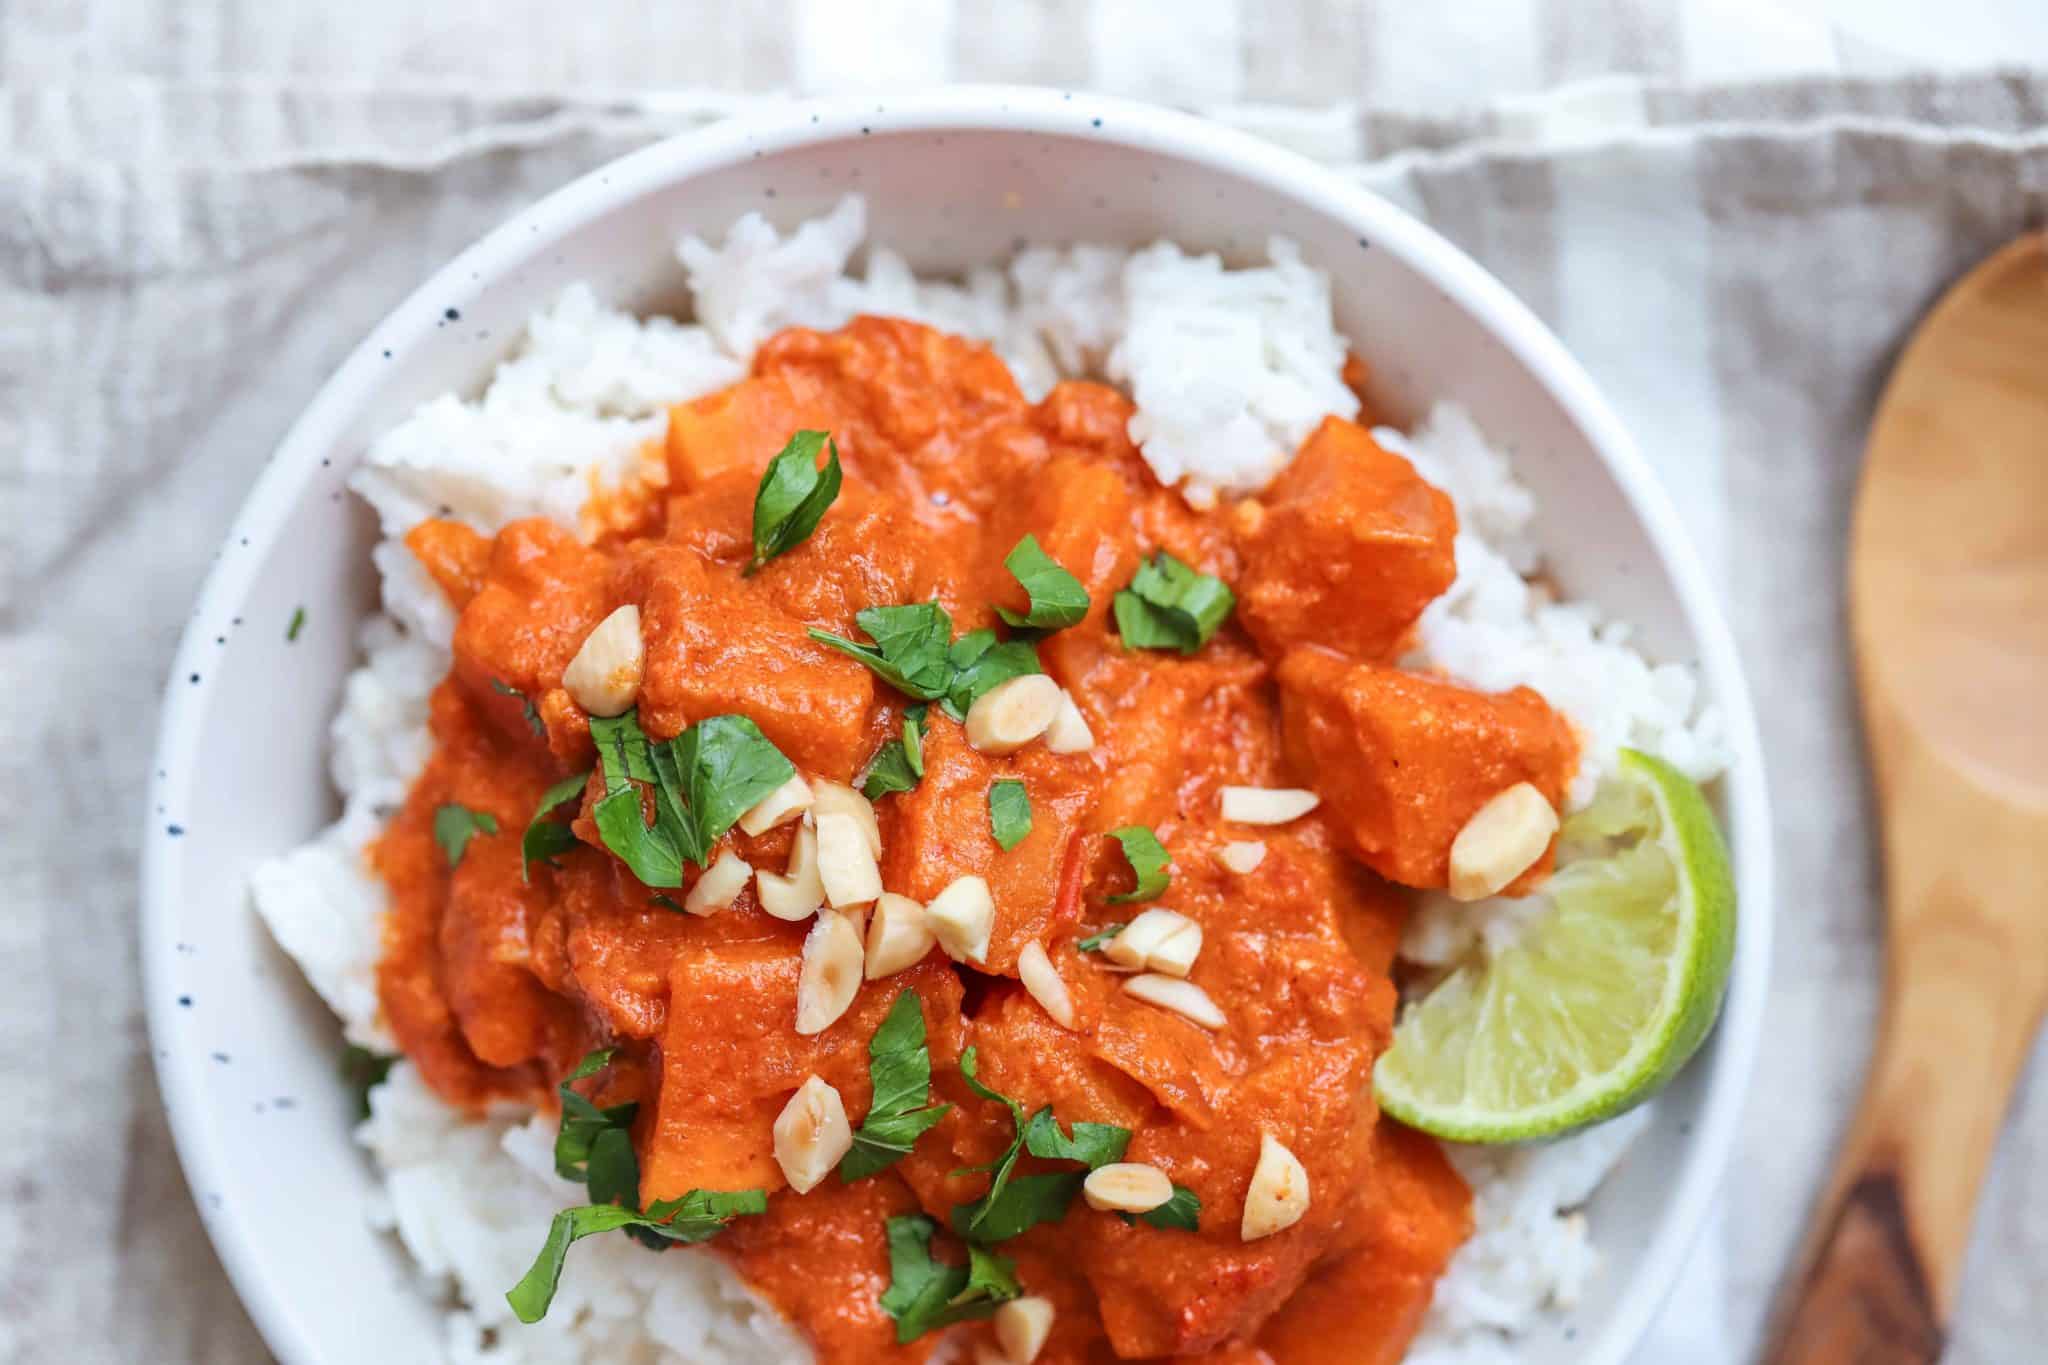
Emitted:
<point x="1948" y="595"/>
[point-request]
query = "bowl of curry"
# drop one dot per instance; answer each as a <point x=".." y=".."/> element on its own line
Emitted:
<point x="890" y="834"/>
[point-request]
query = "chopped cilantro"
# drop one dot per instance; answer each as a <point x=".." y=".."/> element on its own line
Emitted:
<point x="925" y="1293"/>
<point x="897" y="765"/>
<point x="1093" y="1144"/>
<point x="702" y="781"/>
<point x="455" y="826"/>
<point x="1057" y="597"/>
<point x="1148" y="860"/>
<point x="583" y="1122"/>
<point x="1170" y="606"/>
<point x="1182" y="1212"/>
<point x="900" y="1067"/>
<point x="291" y="632"/>
<point x="695" y="1217"/>
<point x="909" y="649"/>
<point x="982" y="662"/>
<point x="544" y="838"/>
<point x="793" y="496"/>
<point x="1009" y="812"/>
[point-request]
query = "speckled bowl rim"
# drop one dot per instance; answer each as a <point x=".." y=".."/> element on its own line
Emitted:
<point x="608" y="189"/>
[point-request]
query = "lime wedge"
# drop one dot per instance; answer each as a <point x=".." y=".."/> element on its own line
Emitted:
<point x="1602" y="998"/>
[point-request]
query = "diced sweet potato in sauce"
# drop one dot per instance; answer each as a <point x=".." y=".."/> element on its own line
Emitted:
<point x="1345" y="549"/>
<point x="1405" y="760"/>
<point x="499" y="975"/>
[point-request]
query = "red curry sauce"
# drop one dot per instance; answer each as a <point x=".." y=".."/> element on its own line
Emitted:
<point x="495" y="987"/>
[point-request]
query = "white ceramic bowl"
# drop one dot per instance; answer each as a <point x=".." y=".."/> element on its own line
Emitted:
<point x="246" y="1054"/>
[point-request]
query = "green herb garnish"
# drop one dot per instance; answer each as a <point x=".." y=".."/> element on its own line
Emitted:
<point x="910" y="652"/>
<point x="1009" y="812"/>
<point x="900" y="1066"/>
<point x="1096" y="941"/>
<point x="1148" y="860"/>
<point x="793" y="496"/>
<point x="925" y="1293"/>
<point x="1170" y="606"/>
<point x="1057" y="597"/>
<point x="1181" y="1213"/>
<point x="596" y="1146"/>
<point x="455" y="826"/>
<point x="363" y="1071"/>
<point x="1093" y="1144"/>
<point x="981" y="663"/>
<point x="702" y="781"/>
<point x="291" y="632"/>
<point x="583" y="1122"/>
<point x="545" y="838"/>
<point x="898" y="765"/>
<point x="697" y="1216"/>
<point x="909" y="649"/>
<point x="532" y="712"/>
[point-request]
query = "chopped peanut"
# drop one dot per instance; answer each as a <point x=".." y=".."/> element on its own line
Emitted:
<point x="830" y="974"/>
<point x="962" y="916"/>
<point x="1126" y="1187"/>
<point x="778" y="807"/>
<point x="1279" y="1193"/>
<point x="1042" y="982"/>
<point x="1501" y="841"/>
<point x="797" y="894"/>
<point x="1010" y="715"/>
<point x="1184" y="998"/>
<point x="720" y="885"/>
<point x="1267" y="805"/>
<point x="604" y="677"/>
<point x="899" y="935"/>
<point x="811" y="1134"/>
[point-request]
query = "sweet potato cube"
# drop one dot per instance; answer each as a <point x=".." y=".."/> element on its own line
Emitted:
<point x="720" y="431"/>
<point x="1404" y="760"/>
<point x="1346" y="549"/>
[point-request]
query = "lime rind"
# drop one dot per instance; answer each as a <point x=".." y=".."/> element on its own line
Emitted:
<point x="1603" y="1000"/>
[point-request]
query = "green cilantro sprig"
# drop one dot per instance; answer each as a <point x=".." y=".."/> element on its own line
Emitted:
<point x="544" y="838"/>
<point x="596" y="1146"/>
<point x="1149" y="863"/>
<point x="1057" y="598"/>
<point x="925" y="1293"/>
<point x="1170" y="606"/>
<point x="910" y="652"/>
<point x="793" y="496"/>
<point x="1009" y="812"/>
<point x="897" y="766"/>
<point x="702" y="781"/>
<point x="1098" y="940"/>
<point x="900" y="1067"/>
<point x="455" y="826"/>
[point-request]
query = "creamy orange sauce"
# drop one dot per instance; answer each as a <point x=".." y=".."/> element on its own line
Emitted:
<point x="495" y="986"/>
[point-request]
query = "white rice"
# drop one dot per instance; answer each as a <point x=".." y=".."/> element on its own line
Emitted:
<point x="1230" y="369"/>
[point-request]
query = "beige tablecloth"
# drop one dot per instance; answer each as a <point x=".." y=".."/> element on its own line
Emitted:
<point x="1730" y="209"/>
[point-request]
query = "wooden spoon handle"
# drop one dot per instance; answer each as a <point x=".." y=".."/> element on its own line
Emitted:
<point x="1963" y="997"/>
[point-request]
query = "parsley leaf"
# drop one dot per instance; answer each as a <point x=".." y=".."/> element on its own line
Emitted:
<point x="1147" y="857"/>
<point x="695" y="1217"/>
<point x="455" y="826"/>
<point x="925" y="1294"/>
<point x="291" y="632"/>
<point x="1093" y="1144"/>
<point x="1009" y="812"/>
<point x="900" y="1065"/>
<point x="897" y="765"/>
<point x="981" y="662"/>
<point x="1057" y="597"/>
<point x="533" y="720"/>
<point x="793" y="496"/>
<point x="909" y="649"/>
<point x="1096" y="941"/>
<point x="544" y="838"/>
<point x="1170" y="606"/>
<point x="704" y="780"/>
<point x="363" y="1071"/>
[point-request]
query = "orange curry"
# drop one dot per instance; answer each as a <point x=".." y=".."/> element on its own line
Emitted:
<point x="497" y="978"/>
